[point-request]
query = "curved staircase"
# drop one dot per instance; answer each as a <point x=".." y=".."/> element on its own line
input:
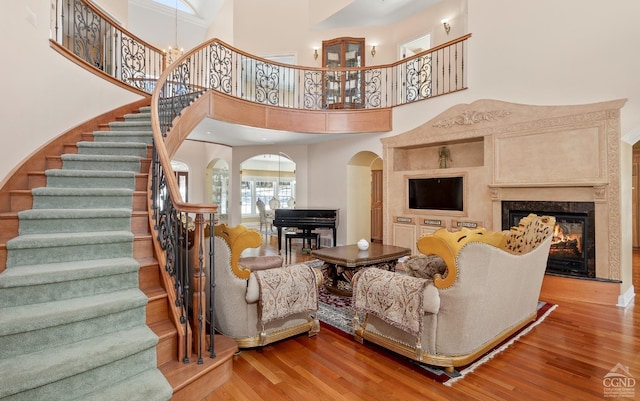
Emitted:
<point x="83" y="311"/>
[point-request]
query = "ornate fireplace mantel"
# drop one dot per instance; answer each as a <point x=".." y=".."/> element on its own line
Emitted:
<point x="599" y="189"/>
<point x="509" y="151"/>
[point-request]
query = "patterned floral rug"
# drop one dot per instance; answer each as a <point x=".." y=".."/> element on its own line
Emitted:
<point x="336" y="313"/>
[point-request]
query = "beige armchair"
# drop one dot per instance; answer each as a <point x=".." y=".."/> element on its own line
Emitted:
<point x="487" y="290"/>
<point x="257" y="300"/>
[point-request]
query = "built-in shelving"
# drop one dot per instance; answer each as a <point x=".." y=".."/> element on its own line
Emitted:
<point x="458" y="154"/>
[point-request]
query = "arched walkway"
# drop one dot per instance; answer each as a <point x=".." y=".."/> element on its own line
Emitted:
<point x="359" y="195"/>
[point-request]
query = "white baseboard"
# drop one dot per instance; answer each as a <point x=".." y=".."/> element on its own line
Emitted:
<point x="625" y="299"/>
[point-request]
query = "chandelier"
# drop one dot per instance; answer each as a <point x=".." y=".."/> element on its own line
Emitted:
<point x="173" y="53"/>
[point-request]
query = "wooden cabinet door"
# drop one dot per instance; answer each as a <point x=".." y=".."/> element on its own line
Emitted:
<point x="404" y="235"/>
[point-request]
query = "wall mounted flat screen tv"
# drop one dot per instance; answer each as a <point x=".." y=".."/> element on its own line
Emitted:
<point x="443" y="193"/>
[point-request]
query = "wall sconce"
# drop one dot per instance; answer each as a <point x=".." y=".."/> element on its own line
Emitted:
<point x="373" y="51"/>
<point x="446" y="25"/>
<point x="315" y="53"/>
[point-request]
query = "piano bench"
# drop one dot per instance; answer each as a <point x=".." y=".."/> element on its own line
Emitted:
<point x="304" y="236"/>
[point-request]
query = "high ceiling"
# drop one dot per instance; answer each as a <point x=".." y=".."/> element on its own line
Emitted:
<point x="356" y="13"/>
<point x="375" y="12"/>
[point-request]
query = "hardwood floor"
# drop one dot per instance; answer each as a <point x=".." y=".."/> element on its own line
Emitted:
<point x="564" y="358"/>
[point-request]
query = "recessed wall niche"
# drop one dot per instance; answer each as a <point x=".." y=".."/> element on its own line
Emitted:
<point x="468" y="153"/>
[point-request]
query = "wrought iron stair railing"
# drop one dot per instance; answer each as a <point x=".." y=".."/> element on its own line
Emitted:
<point x="182" y="229"/>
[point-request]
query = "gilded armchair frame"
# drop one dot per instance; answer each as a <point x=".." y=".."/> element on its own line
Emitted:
<point x="235" y="286"/>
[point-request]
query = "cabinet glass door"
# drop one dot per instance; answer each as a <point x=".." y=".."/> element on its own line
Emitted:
<point x="352" y="82"/>
<point x="343" y="89"/>
<point x="332" y="79"/>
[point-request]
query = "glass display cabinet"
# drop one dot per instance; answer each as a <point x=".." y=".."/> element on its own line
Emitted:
<point x="220" y="192"/>
<point x="343" y="89"/>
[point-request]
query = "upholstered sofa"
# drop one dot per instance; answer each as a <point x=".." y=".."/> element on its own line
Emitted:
<point x="257" y="300"/>
<point x="487" y="289"/>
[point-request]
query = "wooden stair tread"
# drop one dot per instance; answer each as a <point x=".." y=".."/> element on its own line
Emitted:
<point x="163" y="328"/>
<point x="153" y="293"/>
<point x="181" y="375"/>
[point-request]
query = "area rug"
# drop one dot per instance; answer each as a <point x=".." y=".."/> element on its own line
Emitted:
<point x="336" y="313"/>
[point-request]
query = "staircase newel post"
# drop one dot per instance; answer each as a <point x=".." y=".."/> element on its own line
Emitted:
<point x="199" y="299"/>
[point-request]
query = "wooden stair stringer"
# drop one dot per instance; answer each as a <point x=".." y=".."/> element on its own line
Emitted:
<point x="187" y="380"/>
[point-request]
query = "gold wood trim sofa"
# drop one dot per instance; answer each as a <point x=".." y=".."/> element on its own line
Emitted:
<point x="489" y="291"/>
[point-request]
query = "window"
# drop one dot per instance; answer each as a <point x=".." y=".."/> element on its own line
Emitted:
<point x="173" y="4"/>
<point x="285" y="192"/>
<point x="182" y="176"/>
<point x="264" y="188"/>
<point x="264" y="177"/>
<point x="220" y="186"/>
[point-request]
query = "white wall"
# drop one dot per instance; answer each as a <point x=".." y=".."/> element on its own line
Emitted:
<point x="198" y="155"/>
<point x="43" y="93"/>
<point x="358" y="223"/>
<point x="222" y="26"/>
<point x="116" y="9"/>
<point x="157" y="25"/>
<point x="282" y="27"/>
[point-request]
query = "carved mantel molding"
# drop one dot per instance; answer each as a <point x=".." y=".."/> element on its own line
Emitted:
<point x="470" y="117"/>
<point x="599" y="188"/>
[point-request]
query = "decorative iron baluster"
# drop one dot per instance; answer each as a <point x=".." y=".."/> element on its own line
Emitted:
<point x="220" y="69"/>
<point x="418" y="78"/>
<point x="267" y="81"/>
<point x="133" y="61"/>
<point x="312" y="90"/>
<point x="373" y="88"/>
<point x="87" y="37"/>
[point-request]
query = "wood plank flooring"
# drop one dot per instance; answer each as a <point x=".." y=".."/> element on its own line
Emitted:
<point x="564" y="358"/>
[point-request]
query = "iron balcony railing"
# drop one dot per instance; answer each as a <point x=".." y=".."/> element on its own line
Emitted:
<point x="216" y="65"/>
<point x="92" y="36"/>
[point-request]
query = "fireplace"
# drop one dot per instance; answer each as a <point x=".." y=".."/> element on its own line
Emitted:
<point x="572" y="250"/>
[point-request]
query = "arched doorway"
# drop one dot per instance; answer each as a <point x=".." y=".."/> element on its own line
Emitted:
<point x="217" y="187"/>
<point x="364" y="197"/>
<point x="270" y="178"/>
<point x="182" y="175"/>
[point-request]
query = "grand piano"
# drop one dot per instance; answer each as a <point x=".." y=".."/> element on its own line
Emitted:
<point x="306" y="220"/>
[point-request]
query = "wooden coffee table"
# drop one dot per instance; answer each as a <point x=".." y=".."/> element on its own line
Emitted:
<point x="344" y="261"/>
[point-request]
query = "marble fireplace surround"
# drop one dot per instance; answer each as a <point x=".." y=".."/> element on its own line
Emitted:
<point x="512" y="152"/>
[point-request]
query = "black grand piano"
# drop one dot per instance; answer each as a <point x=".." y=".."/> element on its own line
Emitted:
<point x="306" y="220"/>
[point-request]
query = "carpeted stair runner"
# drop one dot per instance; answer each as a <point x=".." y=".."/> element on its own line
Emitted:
<point x="72" y="317"/>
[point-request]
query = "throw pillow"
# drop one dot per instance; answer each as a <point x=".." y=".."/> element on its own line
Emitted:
<point x="425" y="266"/>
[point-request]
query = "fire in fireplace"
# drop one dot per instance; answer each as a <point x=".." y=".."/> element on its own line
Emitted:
<point x="572" y="250"/>
<point x="567" y="239"/>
